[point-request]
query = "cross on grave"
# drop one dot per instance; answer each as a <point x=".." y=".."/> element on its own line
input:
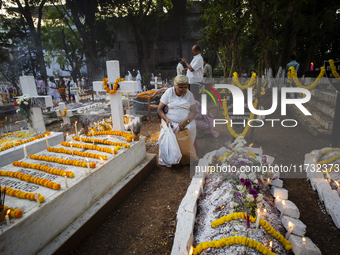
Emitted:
<point x="113" y="74"/>
<point x="66" y="118"/>
<point x="29" y="88"/>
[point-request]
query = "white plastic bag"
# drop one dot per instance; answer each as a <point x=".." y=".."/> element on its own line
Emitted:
<point x="169" y="151"/>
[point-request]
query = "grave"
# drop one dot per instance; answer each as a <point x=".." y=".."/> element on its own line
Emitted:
<point x="66" y="118"/>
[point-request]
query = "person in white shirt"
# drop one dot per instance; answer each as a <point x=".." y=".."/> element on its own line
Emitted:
<point x="195" y="70"/>
<point x="180" y="68"/>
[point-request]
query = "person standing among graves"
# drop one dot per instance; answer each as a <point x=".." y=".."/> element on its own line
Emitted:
<point x="180" y="68"/>
<point x="69" y="86"/>
<point x="53" y="90"/>
<point x="42" y="87"/>
<point x="207" y="70"/>
<point x="139" y="81"/>
<point x="62" y="89"/>
<point x="177" y="108"/>
<point x="296" y="66"/>
<point x="194" y="70"/>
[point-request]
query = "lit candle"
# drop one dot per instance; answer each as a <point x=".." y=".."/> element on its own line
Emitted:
<point x="66" y="136"/>
<point x="47" y="141"/>
<point x="258" y="218"/>
<point x="303" y="245"/>
<point x="88" y="165"/>
<point x="265" y="210"/>
<point x="81" y="142"/>
<point x="75" y="125"/>
<point x="191" y="251"/>
<point x="268" y="181"/>
<point x="93" y="138"/>
<point x="14" y="145"/>
<point x="328" y="176"/>
<point x="271" y="245"/>
<point x="101" y="160"/>
<point x="283" y="208"/>
<point x="71" y="148"/>
<point x="25" y="152"/>
<point x="66" y="184"/>
<point x="37" y="199"/>
<point x="196" y="193"/>
<point x="290" y="230"/>
<point x="7" y="217"/>
<point x="338" y="186"/>
<point x="277" y="200"/>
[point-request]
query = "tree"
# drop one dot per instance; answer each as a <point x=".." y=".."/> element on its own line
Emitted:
<point x="179" y="8"/>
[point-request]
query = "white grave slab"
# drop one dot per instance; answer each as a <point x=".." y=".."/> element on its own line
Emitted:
<point x="66" y="119"/>
<point x="10" y="155"/>
<point x="40" y="225"/>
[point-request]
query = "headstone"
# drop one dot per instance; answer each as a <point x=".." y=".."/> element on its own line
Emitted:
<point x="29" y="88"/>
<point x="66" y="119"/>
<point x="116" y="98"/>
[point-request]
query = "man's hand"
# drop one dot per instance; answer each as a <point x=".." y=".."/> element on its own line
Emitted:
<point x="184" y="60"/>
<point x="182" y="124"/>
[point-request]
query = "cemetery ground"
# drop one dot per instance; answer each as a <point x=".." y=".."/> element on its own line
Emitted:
<point x="145" y="222"/>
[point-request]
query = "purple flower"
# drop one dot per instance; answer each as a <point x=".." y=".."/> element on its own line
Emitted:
<point x="275" y="178"/>
<point x="264" y="159"/>
<point x="247" y="184"/>
<point x="253" y="192"/>
<point x="234" y="186"/>
<point x="238" y="195"/>
<point x="257" y="186"/>
<point x="219" y="163"/>
<point x="242" y="180"/>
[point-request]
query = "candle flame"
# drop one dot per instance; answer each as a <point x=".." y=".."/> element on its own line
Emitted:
<point x="196" y="192"/>
<point x="336" y="183"/>
<point x="222" y="207"/>
<point x="258" y="210"/>
<point x="290" y="225"/>
<point x="87" y="159"/>
<point x="283" y="202"/>
<point x="265" y="210"/>
<point x="303" y="239"/>
<point x="191" y="250"/>
<point x="251" y="145"/>
<point x="76" y="122"/>
<point x="8" y="211"/>
<point x="268" y="180"/>
<point x="277" y="197"/>
<point x="270" y="244"/>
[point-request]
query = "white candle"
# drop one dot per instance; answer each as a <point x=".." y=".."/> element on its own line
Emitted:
<point x="338" y="186"/>
<point x="277" y="200"/>
<point x="81" y="142"/>
<point x="71" y="148"/>
<point x="270" y="245"/>
<point x="303" y="245"/>
<point x="283" y="208"/>
<point x="66" y="136"/>
<point x="93" y="137"/>
<point x="14" y="145"/>
<point x="290" y="230"/>
<point x="196" y="192"/>
<point x="258" y="218"/>
<point x="47" y="141"/>
<point x="66" y="184"/>
<point x="75" y="125"/>
<point x="7" y="217"/>
<point x="37" y="199"/>
<point x="88" y="165"/>
<point x="25" y="152"/>
<point x="101" y="160"/>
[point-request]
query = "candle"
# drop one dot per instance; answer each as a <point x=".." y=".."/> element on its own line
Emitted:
<point x="75" y="125"/>
<point x="37" y="199"/>
<point x="25" y="152"/>
<point x="101" y="160"/>
<point x="14" y="145"/>
<point x="66" y="184"/>
<point x="93" y="138"/>
<point x="277" y="200"/>
<point x="303" y="245"/>
<point x="338" y="186"/>
<point x="47" y="141"/>
<point x="283" y="208"/>
<point x="271" y="245"/>
<point x="7" y="217"/>
<point x="258" y="218"/>
<point x="81" y="142"/>
<point x="71" y="148"/>
<point x="196" y="193"/>
<point x="268" y="182"/>
<point x="290" y="230"/>
<point x="328" y="176"/>
<point x="88" y="165"/>
<point x="66" y="137"/>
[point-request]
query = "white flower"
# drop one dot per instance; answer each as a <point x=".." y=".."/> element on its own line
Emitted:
<point x="255" y="181"/>
<point x="250" y="198"/>
<point x="233" y="204"/>
<point x="252" y="176"/>
<point x="259" y="197"/>
<point x="26" y="103"/>
<point x="239" y="187"/>
<point x="18" y="110"/>
<point x="259" y="205"/>
<point x="243" y="175"/>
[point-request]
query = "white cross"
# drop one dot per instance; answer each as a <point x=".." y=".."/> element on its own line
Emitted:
<point x="29" y="88"/>
<point x="66" y="118"/>
<point x="113" y="74"/>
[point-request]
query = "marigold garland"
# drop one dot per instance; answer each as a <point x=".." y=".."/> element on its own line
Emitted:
<point x="3" y="97"/>
<point x="63" y="114"/>
<point x="329" y="160"/>
<point x="248" y="83"/>
<point x="127" y="136"/>
<point x="22" y="195"/>
<point x="231" y="130"/>
<point x="115" y="87"/>
<point x="147" y="93"/>
<point x="61" y="90"/>
<point x="78" y="153"/>
<point x="44" y="168"/>
<point x="333" y="68"/>
<point x="292" y="74"/>
<point x="227" y="241"/>
<point x="89" y="140"/>
<point x="329" y="150"/>
<point x="23" y="142"/>
<point x="28" y="178"/>
<point x="93" y="147"/>
<point x="15" y="93"/>
<point x="10" y="133"/>
<point x="63" y="161"/>
<point x="14" y="213"/>
<point x="270" y="230"/>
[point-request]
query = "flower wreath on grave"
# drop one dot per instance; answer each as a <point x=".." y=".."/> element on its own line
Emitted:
<point x="25" y="102"/>
<point x="21" y="194"/>
<point x="334" y="72"/>
<point x="3" y="97"/>
<point x="115" y="87"/>
<point x="63" y="114"/>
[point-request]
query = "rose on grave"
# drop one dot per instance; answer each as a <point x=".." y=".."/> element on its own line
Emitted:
<point x="15" y="104"/>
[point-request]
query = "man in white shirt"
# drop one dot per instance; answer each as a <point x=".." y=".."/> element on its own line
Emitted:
<point x="195" y="70"/>
<point x="180" y="68"/>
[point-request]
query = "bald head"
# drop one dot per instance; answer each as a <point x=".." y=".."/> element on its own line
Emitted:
<point x="196" y="50"/>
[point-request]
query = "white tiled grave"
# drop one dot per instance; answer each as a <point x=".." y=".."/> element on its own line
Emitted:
<point x="13" y="154"/>
<point x="39" y="225"/>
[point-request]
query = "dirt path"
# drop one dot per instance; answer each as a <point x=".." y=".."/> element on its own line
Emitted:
<point x="145" y="222"/>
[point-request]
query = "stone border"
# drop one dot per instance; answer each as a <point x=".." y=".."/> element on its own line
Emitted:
<point x="187" y="210"/>
<point x="329" y="197"/>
